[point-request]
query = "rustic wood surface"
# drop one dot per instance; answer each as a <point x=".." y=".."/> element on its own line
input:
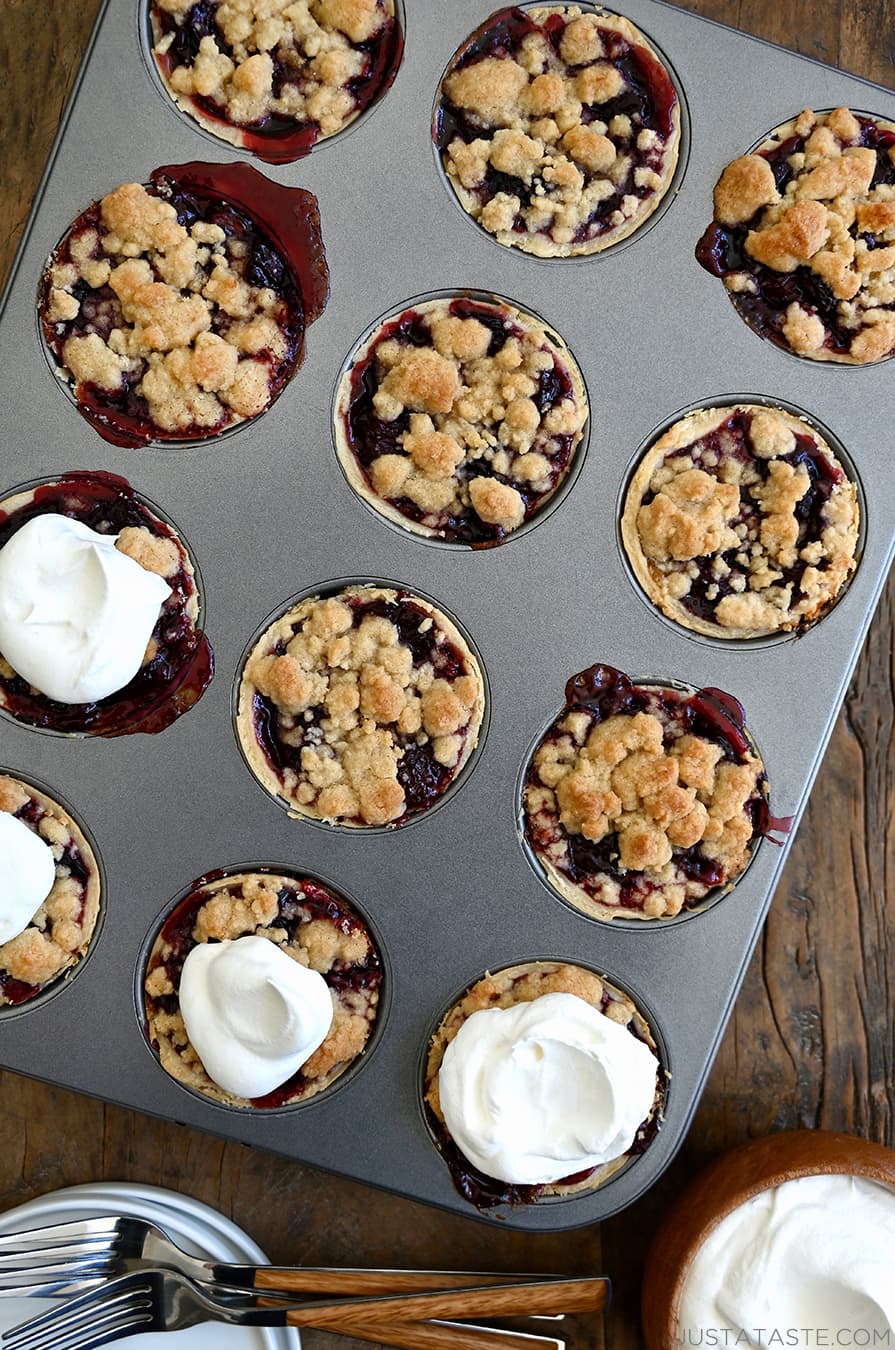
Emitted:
<point x="811" y="1041"/>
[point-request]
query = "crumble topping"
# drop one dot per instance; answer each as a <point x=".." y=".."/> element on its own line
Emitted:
<point x="308" y="922"/>
<point x="459" y="418"/>
<point x="505" y="989"/>
<point x="360" y="708"/>
<point x="170" y="312"/>
<point x="740" y="523"/>
<point x="640" y="799"/>
<point x="291" y="71"/>
<point x="804" y="236"/>
<point x="177" y="665"/>
<point x="60" y="931"/>
<point x="559" y="129"/>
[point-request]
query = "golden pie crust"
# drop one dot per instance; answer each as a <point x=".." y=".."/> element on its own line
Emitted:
<point x="524" y="983"/>
<point x="747" y="512"/>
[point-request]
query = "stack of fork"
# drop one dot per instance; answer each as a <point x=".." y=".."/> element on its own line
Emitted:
<point x="122" y="1276"/>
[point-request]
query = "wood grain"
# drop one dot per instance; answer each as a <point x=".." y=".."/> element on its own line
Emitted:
<point x="810" y="1042"/>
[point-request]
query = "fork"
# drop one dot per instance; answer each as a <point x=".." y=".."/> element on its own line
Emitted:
<point x="166" y="1300"/>
<point x="70" y="1258"/>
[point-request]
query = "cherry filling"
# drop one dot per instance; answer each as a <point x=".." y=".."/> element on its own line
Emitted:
<point x="298" y="903"/>
<point x="369" y="436"/>
<point x="731" y="440"/>
<point x="422" y="778"/>
<point x="722" y="251"/>
<point x="488" y="1192"/>
<point x="649" y="99"/>
<point x="181" y="668"/>
<point x="274" y="138"/>
<point x="602" y="692"/>
<point x="272" y="240"/>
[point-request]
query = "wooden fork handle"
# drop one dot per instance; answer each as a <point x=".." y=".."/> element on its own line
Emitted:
<point x="373" y="1282"/>
<point x="518" y="1300"/>
<point x="431" y="1336"/>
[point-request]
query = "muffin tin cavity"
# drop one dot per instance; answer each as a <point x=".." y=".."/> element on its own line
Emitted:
<point x="308" y="920"/>
<point x="461" y="417"/>
<point x="52" y="948"/>
<point x="507" y="987"/>
<point x="561" y="130"/>
<point x="178" y="664"/>
<point x="360" y="705"/>
<point x="742" y="520"/>
<point x="642" y="799"/>
<point x="275" y="81"/>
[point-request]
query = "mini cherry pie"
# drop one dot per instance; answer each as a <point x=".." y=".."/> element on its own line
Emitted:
<point x="459" y="418"/>
<point x="643" y="799"/>
<point x="740" y="522"/>
<point x="360" y="708"/>
<point x="559" y="128"/>
<point x="804" y="237"/>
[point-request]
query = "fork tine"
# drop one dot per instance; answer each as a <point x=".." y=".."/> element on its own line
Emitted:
<point x="76" y="1231"/>
<point x="13" y="1267"/>
<point x="88" y="1309"/>
<point x="113" y="1326"/>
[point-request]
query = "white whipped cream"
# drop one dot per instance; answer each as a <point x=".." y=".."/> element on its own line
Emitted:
<point x="27" y="874"/>
<point x="810" y="1262"/>
<point x="75" y="612"/>
<point x="253" y="1015"/>
<point x="545" y="1089"/>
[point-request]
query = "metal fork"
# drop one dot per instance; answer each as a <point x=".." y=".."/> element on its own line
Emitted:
<point x="71" y="1258"/>
<point x="165" y="1300"/>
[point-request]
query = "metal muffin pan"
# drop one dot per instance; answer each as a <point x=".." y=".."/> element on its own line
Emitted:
<point x="269" y="513"/>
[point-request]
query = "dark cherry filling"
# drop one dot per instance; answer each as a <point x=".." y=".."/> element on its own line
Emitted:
<point x="275" y="139"/>
<point x="649" y="99"/>
<point x="722" y="251"/>
<point x="729" y="439"/>
<point x="603" y="692"/>
<point x="369" y="436"/>
<point x="279" y="229"/>
<point x="293" y="911"/>
<point x="32" y="813"/>
<point x="488" y="1192"/>
<point x="422" y="778"/>
<point x="180" y="671"/>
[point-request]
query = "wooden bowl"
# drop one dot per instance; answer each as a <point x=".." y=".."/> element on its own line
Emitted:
<point x="726" y="1184"/>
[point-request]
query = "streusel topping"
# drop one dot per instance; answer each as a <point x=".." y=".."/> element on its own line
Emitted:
<point x="60" y="931"/>
<point x="313" y="926"/>
<point x="559" y="129"/>
<point x="804" y="237"/>
<point x="172" y="312"/>
<point x="276" y="75"/>
<point x="505" y="989"/>
<point x="360" y="708"/>
<point x="642" y="799"/>
<point x="740" y="522"/>
<point x="460" y="418"/>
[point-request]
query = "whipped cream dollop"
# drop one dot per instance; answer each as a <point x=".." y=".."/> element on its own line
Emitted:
<point x="545" y="1089"/>
<point x="75" y="612"/>
<point x="253" y="1015"/>
<point x="810" y="1262"/>
<point x="27" y="874"/>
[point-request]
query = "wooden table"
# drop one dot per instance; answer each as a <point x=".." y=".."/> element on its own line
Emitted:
<point x="811" y="1042"/>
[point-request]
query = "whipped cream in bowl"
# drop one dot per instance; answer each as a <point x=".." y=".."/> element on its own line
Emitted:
<point x="542" y="1080"/>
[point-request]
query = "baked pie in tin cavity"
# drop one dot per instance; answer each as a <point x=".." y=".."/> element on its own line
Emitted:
<point x="459" y="418"/>
<point x="178" y="663"/>
<point x="59" y="933"/>
<point x="803" y="236"/>
<point x="643" y="799"/>
<point x="275" y="79"/>
<point x="739" y="522"/>
<point x="311" y="924"/>
<point x="508" y="988"/>
<point x="177" y="310"/>
<point x="559" y="128"/>
<point x="360" y="707"/>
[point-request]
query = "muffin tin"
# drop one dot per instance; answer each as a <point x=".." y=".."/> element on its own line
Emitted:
<point x="268" y="512"/>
